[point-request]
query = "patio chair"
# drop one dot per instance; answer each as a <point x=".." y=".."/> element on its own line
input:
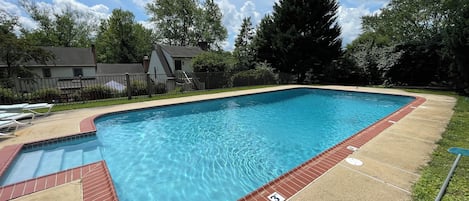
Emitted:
<point x="7" y="125"/>
<point x="16" y="116"/>
<point x="33" y="107"/>
<point x="14" y="107"/>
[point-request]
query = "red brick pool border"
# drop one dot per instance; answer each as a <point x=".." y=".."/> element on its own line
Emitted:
<point x="97" y="182"/>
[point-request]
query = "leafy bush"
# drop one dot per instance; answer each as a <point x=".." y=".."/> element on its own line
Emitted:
<point x="213" y="62"/>
<point x="160" y="88"/>
<point x="138" y="88"/>
<point x="97" y="92"/>
<point x="261" y="75"/>
<point x="7" y="96"/>
<point x="46" y="95"/>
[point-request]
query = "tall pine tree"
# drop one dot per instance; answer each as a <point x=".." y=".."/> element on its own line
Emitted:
<point x="243" y="50"/>
<point x="301" y="36"/>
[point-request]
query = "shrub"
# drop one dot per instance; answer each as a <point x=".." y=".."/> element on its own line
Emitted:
<point x="213" y="62"/>
<point x="7" y="96"/>
<point x="160" y="88"/>
<point x="46" y="95"/>
<point x="138" y="88"/>
<point x="97" y="92"/>
<point x="261" y="75"/>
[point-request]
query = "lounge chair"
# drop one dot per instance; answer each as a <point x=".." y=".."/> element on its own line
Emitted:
<point x="14" y="107"/>
<point x="28" y="107"/>
<point x="33" y="107"/>
<point x="6" y="116"/>
<point x="7" y="125"/>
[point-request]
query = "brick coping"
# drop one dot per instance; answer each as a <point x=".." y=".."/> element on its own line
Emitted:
<point x="286" y="185"/>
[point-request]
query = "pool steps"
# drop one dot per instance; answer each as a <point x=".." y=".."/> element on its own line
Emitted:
<point x="43" y="162"/>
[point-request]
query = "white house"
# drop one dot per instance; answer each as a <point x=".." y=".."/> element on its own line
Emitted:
<point x="166" y="60"/>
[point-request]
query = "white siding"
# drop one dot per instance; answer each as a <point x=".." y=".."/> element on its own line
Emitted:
<point x="187" y="65"/>
<point x="156" y="70"/>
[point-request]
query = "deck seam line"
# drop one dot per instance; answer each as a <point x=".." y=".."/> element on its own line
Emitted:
<point x="377" y="179"/>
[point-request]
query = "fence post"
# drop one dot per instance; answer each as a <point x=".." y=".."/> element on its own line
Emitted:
<point x="20" y="89"/>
<point x="149" y="85"/>
<point x="129" y="88"/>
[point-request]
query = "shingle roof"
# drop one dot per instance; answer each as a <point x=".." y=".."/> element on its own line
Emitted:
<point x="109" y="69"/>
<point x="66" y="56"/>
<point x="182" y="51"/>
<point x="69" y="56"/>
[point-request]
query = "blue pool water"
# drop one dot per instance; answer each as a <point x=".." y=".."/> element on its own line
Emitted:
<point x="44" y="160"/>
<point x="215" y="150"/>
<point x="224" y="149"/>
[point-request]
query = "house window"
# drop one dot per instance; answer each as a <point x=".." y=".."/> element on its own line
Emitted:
<point x="77" y="72"/>
<point x="46" y="72"/>
<point x="177" y="65"/>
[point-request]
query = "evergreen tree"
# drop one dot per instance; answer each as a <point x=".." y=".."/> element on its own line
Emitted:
<point x="243" y="50"/>
<point x="305" y="37"/>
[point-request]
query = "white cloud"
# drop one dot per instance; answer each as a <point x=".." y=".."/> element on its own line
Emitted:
<point x="350" y="13"/>
<point x="141" y="3"/>
<point x="350" y="21"/>
<point x="233" y="17"/>
<point x="9" y="8"/>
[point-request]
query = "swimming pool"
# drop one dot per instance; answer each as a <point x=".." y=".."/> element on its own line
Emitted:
<point x="223" y="149"/>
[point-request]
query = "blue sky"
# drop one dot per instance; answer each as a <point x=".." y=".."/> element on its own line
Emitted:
<point x="233" y="11"/>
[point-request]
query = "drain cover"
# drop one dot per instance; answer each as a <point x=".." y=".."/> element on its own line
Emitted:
<point x="354" y="161"/>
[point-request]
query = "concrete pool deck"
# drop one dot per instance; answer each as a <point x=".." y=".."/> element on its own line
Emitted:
<point x="391" y="160"/>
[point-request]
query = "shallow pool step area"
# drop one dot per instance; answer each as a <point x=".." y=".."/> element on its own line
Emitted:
<point x="42" y="162"/>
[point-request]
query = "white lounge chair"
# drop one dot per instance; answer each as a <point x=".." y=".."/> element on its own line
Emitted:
<point x="7" y="125"/>
<point x="28" y="107"/>
<point x="14" y="107"/>
<point x="33" y="107"/>
<point x="16" y="116"/>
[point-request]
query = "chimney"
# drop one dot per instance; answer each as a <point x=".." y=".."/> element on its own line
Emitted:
<point x="146" y="64"/>
<point x="93" y="51"/>
<point x="203" y="45"/>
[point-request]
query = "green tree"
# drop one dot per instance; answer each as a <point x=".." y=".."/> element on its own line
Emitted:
<point x="262" y="42"/>
<point x="407" y="21"/>
<point x="243" y="50"/>
<point x="67" y="28"/>
<point x="209" y="26"/>
<point x="121" y="40"/>
<point x="187" y="22"/>
<point x="456" y="40"/>
<point x="14" y="51"/>
<point x="305" y="37"/>
<point x="175" y="19"/>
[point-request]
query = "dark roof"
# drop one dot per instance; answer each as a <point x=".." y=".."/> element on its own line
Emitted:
<point x="109" y="69"/>
<point x="182" y="51"/>
<point x="66" y="56"/>
<point x="69" y="56"/>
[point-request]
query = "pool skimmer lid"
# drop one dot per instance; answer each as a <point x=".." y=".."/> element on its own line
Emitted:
<point x="354" y="161"/>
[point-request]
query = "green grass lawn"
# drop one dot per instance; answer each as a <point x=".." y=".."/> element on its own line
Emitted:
<point x="434" y="174"/>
